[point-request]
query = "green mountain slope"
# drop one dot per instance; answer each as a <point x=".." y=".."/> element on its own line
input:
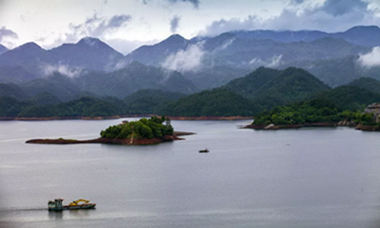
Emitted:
<point x="216" y="102"/>
<point x="269" y="87"/>
<point x="148" y="101"/>
<point x="370" y="84"/>
<point x="349" y="97"/>
<point x="132" y="78"/>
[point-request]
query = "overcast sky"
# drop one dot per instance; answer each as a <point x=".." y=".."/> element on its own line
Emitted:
<point x="128" y="24"/>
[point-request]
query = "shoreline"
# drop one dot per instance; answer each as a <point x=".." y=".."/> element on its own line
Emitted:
<point x="318" y="124"/>
<point x="124" y="116"/>
<point x="127" y="141"/>
<point x="289" y="126"/>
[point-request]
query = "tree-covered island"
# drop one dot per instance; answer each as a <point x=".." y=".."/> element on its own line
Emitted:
<point x="141" y="132"/>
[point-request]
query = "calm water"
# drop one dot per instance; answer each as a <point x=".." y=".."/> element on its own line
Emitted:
<point x="327" y="177"/>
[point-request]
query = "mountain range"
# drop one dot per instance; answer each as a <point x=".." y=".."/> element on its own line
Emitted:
<point x="176" y="64"/>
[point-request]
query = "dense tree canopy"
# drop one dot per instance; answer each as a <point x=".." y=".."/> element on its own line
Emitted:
<point x="144" y="128"/>
<point x="308" y="112"/>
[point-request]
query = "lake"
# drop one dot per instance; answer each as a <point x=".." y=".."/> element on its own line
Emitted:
<point x="312" y="177"/>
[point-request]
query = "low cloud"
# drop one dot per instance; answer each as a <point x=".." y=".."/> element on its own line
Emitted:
<point x="174" y="23"/>
<point x="195" y="3"/>
<point x="95" y="26"/>
<point x="331" y="16"/>
<point x="273" y="62"/>
<point x="370" y="59"/>
<point x="185" y="60"/>
<point x="7" y="37"/>
<point x="66" y="70"/>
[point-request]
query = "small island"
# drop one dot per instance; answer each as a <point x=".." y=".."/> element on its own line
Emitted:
<point x="142" y="132"/>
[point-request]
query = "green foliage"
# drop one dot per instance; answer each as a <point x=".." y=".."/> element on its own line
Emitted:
<point x="85" y="106"/>
<point x="307" y="112"/>
<point x="143" y="128"/>
<point x="10" y="107"/>
<point x="149" y="101"/>
<point x="349" y="97"/>
<point x="268" y="88"/>
<point x="370" y="84"/>
<point x="216" y="102"/>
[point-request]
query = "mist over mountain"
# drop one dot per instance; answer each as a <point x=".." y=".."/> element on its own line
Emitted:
<point x="180" y="65"/>
<point x="67" y="59"/>
<point x="89" y="53"/>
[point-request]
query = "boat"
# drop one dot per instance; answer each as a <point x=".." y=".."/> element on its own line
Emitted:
<point x="57" y="205"/>
<point x="204" y="151"/>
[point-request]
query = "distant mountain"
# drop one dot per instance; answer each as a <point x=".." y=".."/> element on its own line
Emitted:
<point x="84" y="106"/>
<point x="270" y="87"/>
<point x="30" y="56"/>
<point x="209" y="78"/>
<point x="231" y="50"/>
<point x="118" y="84"/>
<point x="11" y="107"/>
<point x="339" y="71"/>
<point x="132" y="78"/>
<point x="44" y="98"/>
<point x="149" y="101"/>
<point x="359" y="35"/>
<point x="349" y="97"/>
<point x="3" y="49"/>
<point x="12" y="90"/>
<point x="61" y="86"/>
<point x="262" y="89"/>
<point x="154" y="55"/>
<point x="250" y="85"/>
<point x="370" y="84"/>
<point x="89" y="53"/>
<point x="282" y="36"/>
<point x="15" y="74"/>
<point x="198" y="63"/>
<point x="216" y="102"/>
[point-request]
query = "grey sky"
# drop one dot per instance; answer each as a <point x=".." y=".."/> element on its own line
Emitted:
<point x="127" y="24"/>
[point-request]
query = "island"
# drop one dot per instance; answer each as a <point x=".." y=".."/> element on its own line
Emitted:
<point x="142" y="132"/>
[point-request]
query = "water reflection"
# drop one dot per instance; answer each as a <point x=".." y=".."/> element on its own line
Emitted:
<point x="55" y="215"/>
<point x="80" y="213"/>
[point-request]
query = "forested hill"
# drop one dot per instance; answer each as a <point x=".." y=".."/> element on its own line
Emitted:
<point x="268" y="87"/>
<point x="260" y="90"/>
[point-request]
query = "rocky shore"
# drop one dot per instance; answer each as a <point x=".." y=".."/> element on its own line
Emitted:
<point x="127" y="141"/>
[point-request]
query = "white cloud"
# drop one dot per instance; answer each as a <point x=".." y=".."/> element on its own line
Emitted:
<point x="331" y="15"/>
<point x="194" y="2"/>
<point x="189" y="59"/>
<point x="7" y="37"/>
<point x="370" y="59"/>
<point x="273" y="62"/>
<point x="96" y="26"/>
<point x="62" y="69"/>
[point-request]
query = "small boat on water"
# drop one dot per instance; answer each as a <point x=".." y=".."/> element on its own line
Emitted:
<point x="204" y="151"/>
<point x="57" y="205"/>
